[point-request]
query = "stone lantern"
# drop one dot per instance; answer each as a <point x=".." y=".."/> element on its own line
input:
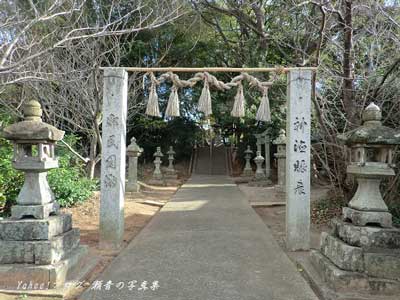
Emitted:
<point x="280" y="155"/>
<point x="170" y="172"/>
<point x="133" y="151"/>
<point x="39" y="249"/>
<point x="158" y="178"/>
<point x="371" y="150"/>
<point x="247" y="171"/>
<point x="260" y="175"/>
<point x="360" y="257"/>
<point x="34" y="143"/>
<point x="260" y="179"/>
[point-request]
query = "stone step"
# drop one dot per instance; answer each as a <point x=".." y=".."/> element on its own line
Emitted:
<point x="347" y="281"/>
<point x="367" y="237"/>
<point x="39" y="252"/>
<point x="80" y="266"/>
<point x="325" y="292"/>
<point x="381" y="264"/>
<point x="28" y="276"/>
<point x="34" y="229"/>
<point x="342" y="255"/>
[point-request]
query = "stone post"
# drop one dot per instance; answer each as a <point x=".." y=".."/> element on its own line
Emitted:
<point x="247" y="171"/>
<point x="133" y="151"/>
<point x="115" y="95"/>
<point x="298" y="160"/>
<point x="280" y="142"/>
<point x="158" y="178"/>
<point x="267" y="142"/>
<point x="38" y="245"/>
<point x="259" y="142"/>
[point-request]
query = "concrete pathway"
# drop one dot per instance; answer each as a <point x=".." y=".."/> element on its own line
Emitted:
<point x="207" y="243"/>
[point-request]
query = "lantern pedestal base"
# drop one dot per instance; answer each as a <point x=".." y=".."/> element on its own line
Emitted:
<point x="170" y="174"/>
<point x="247" y="173"/>
<point x="41" y="254"/>
<point x="356" y="262"/>
<point x="29" y="277"/>
<point x="42" y="211"/>
<point x="157" y="179"/>
<point x="280" y="192"/>
<point x="132" y="187"/>
<point x="364" y="218"/>
<point x="260" y="181"/>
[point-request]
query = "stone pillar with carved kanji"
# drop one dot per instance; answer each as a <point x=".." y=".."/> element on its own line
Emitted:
<point x="37" y="243"/>
<point x="280" y="156"/>
<point x="158" y="177"/>
<point x="361" y="251"/>
<point x="133" y="152"/>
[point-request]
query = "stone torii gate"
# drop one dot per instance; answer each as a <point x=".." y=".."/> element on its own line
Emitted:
<point x="298" y="125"/>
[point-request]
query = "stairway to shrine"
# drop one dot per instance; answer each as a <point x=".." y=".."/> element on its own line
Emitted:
<point x="207" y="243"/>
<point x="211" y="162"/>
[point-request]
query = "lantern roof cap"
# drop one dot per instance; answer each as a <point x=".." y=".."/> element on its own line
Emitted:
<point x="158" y="152"/>
<point x="32" y="128"/>
<point x="281" y="139"/>
<point x="133" y="147"/>
<point x="248" y="150"/>
<point x="371" y="132"/>
<point x="171" y="151"/>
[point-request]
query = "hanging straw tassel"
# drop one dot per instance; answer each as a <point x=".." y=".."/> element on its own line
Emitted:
<point x="238" y="105"/>
<point x="205" y="99"/>
<point x="173" y="103"/>
<point x="264" y="111"/>
<point x="152" y="108"/>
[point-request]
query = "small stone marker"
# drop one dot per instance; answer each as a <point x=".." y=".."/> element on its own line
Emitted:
<point x="158" y="178"/>
<point x="363" y="248"/>
<point x="37" y="244"/>
<point x="133" y="151"/>
<point x="280" y="142"/>
<point x="298" y="160"/>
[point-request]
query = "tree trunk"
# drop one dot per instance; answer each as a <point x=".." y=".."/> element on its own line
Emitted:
<point x="348" y="91"/>
<point x="91" y="166"/>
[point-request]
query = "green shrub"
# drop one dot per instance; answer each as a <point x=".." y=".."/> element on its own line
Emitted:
<point x="69" y="182"/>
<point x="11" y="180"/>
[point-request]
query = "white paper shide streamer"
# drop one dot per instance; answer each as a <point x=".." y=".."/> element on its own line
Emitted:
<point x="152" y="108"/>
<point x="238" y="105"/>
<point x="173" y="103"/>
<point x="264" y="111"/>
<point x="205" y="99"/>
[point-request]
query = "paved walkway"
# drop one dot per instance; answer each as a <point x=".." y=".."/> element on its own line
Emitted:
<point x="207" y="243"/>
